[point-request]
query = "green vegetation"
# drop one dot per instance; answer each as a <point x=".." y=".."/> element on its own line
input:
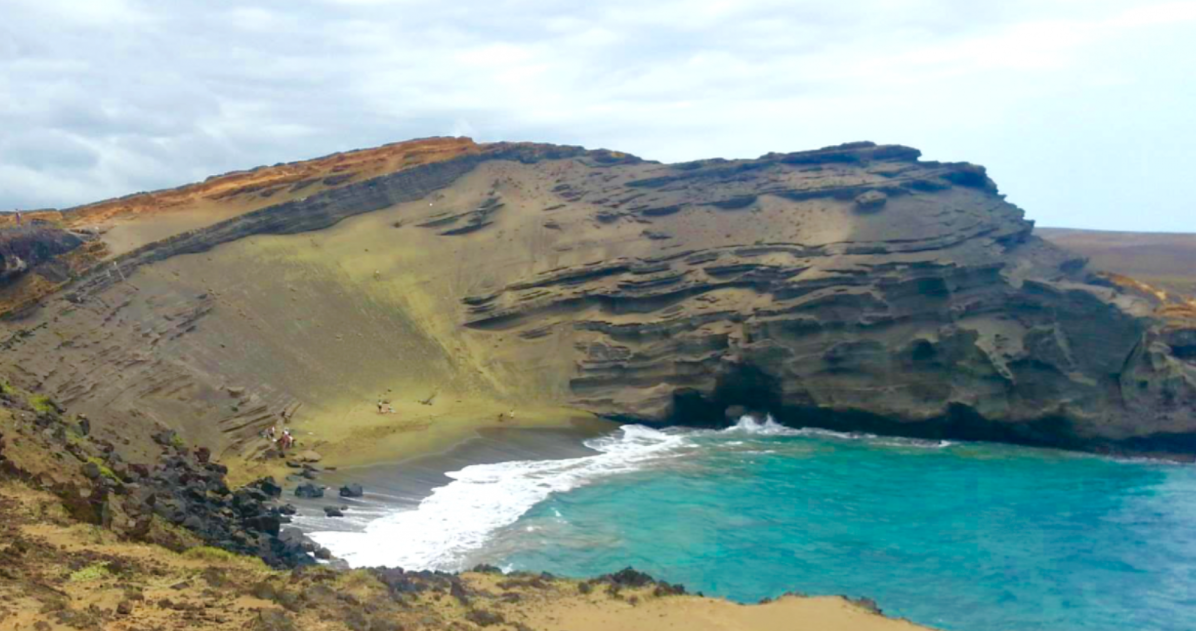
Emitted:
<point x="177" y="442"/>
<point x="93" y="572"/>
<point x="104" y="470"/>
<point x="42" y="403"/>
<point x="216" y="555"/>
<point x="208" y="553"/>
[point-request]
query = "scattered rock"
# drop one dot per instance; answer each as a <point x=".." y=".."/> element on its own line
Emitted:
<point x="352" y="490"/>
<point x="308" y="456"/>
<point x="871" y="200"/>
<point x="332" y="511"/>
<point x="309" y="491"/>
<point x="91" y="470"/>
<point x="166" y="438"/>
<point x="867" y="604"/>
<point x="484" y="618"/>
<point x="273" y="620"/>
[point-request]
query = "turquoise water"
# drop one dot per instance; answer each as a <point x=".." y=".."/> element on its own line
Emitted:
<point x="956" y="536"/>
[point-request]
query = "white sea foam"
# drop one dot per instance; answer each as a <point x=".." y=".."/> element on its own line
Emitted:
<point x="749" y="425"/>
<point x="459" y="517"/>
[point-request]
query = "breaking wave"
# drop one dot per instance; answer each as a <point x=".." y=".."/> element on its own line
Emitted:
<point x="460" y="517"/>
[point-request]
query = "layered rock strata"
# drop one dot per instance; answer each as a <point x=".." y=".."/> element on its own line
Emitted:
<point x="854" y="287"/>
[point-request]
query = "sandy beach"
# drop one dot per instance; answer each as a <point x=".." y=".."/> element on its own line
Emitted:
<point x="401" y="485"/>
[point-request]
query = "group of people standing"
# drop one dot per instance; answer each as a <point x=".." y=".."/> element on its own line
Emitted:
<point x="285" y="440"/>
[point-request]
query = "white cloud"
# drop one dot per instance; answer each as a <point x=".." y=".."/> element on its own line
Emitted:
<point x="110" y="96"/>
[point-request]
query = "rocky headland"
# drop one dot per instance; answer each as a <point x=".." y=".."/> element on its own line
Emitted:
<point x="854" y="287"/>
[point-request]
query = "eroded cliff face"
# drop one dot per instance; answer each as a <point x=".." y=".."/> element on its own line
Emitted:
<point x="853" y="287"/>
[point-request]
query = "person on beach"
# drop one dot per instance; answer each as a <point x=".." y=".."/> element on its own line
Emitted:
<point x="18" y="217"/>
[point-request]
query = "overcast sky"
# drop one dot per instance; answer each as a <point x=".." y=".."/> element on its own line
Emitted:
<point x="1084" y="111"/>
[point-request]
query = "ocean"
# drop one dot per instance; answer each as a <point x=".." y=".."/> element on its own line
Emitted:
<point x="956" y="536"/>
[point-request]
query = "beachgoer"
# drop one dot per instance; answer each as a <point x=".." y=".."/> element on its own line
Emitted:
<point x="18" y="217"/>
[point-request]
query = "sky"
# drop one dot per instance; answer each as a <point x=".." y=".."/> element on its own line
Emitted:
<point x="1084" y="111"/>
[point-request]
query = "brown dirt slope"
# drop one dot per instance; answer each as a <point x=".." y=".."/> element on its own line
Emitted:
<point x="57" y="574"/>
<point x="853" y="287"/>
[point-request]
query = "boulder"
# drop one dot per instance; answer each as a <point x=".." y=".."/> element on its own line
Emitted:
<point x="352" y="490"/>
<point x="872" y="200"/>
<point x="166" y="437"/>
<point x="266" y="523"/>
<point x="267" y="486"/>
<point x="91" y="470"/>
<point x="309" y="491"/>
<point x="332" y="511"/>
<point x="308" y="456"/>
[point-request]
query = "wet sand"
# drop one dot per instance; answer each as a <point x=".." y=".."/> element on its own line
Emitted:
<point x="402" y="485"/>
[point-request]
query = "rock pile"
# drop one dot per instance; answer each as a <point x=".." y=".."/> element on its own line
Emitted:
<point x="183" y="489"/>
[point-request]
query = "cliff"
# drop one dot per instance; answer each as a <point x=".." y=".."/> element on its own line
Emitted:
<point x="853" y="287"/>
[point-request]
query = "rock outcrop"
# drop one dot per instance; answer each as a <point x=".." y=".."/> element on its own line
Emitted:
<point x="852" y="287"/>
<point x="182" y="492"/>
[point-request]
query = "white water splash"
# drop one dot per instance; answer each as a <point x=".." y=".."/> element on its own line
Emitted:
<point x="461" y="516"/>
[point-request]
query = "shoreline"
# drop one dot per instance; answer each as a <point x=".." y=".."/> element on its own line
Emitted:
<point x="402" y="485"/>
<point x="413" y="435"/>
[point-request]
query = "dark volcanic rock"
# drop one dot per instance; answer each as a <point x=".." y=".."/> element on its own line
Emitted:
<point x="352" y="490"/>
<point x="25" y="248"/>
<point x="309" y="491"/>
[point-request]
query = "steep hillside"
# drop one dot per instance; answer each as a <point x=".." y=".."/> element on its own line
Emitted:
<point x="851" y="287"/>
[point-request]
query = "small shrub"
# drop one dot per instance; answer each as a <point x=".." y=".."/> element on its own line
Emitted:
<point x="218" y="555"/>
<point x="42" y="404"/>
<point x="208" y="553"/>
<point x="93" y="572"/>
<point x="176" y="441"/>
